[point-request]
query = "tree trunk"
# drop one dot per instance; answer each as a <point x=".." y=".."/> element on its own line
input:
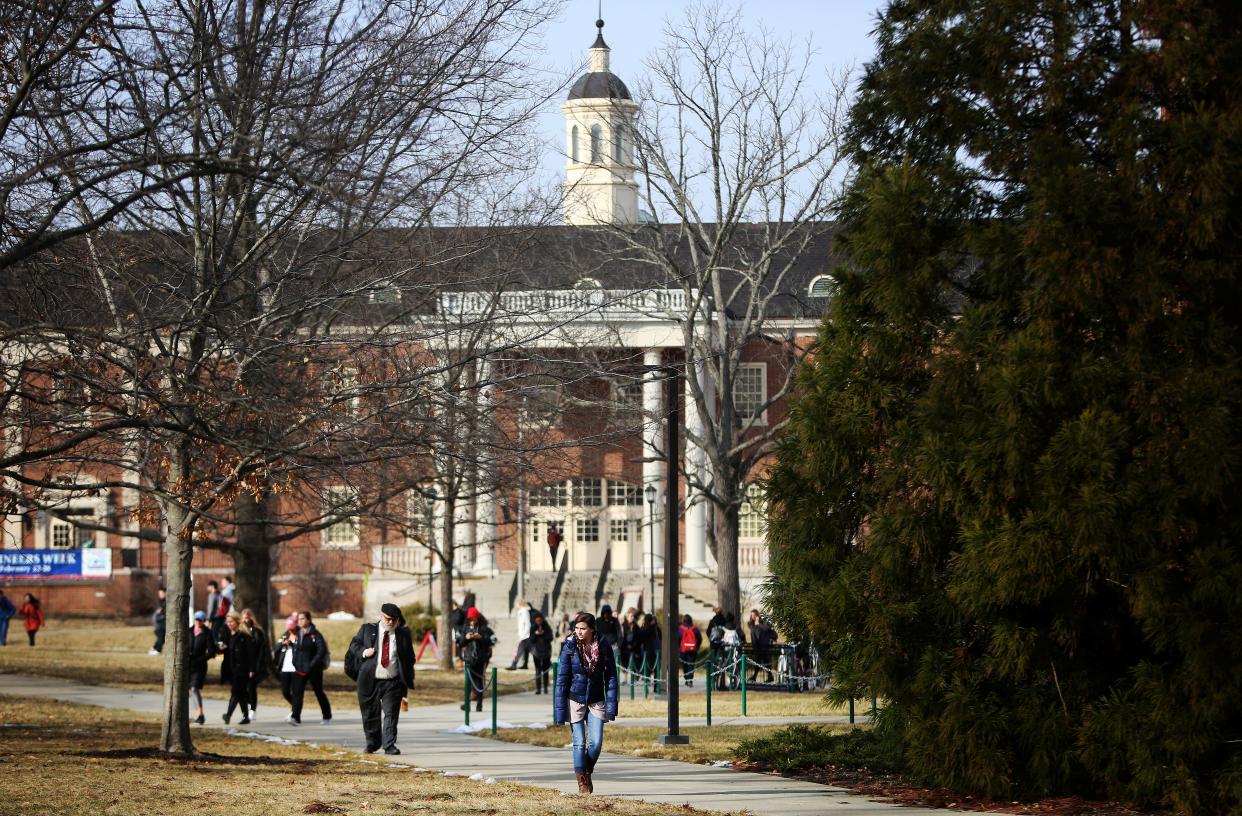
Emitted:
<point x="178" y="547"/>
<point x="446" y="584"/>
<point x="252" y="559"/>
<point x="725" y="531"/>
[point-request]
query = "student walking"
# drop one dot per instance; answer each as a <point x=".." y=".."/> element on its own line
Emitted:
<point x="762" y="637"/>
<point x="688" y="648"/>
<point x="215" y="618"/>
<point x="284" y="658"/>
<point x="522" y="618"/>
<point x="202" y="648"/>
<point x="381" y="660"/>
<point x="7" y="611"/>
<point x="310" y="658"/>
<point x="647" y="644"/>
<point x="609" y="628"/>
<point x="237" y="668"/>
<point x="541" y="650"/>
<point x="262" y="658"/>
<point x="159" y="621"/>
<point x="32" y="611"/>
<point x="477" y="642"/>
<point x="626" y="642"/>
<point x="586" y="694"/>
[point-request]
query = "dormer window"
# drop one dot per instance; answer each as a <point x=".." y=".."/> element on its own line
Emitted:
<point x="588" y="283"/>
<point x="597" y="142"/>
<point x="821" y="287"/>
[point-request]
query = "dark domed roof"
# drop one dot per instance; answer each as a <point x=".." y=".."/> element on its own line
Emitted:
<point x="599" y="85"/>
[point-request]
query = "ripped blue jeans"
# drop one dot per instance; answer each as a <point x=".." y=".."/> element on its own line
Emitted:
<point x="588" y="740"/>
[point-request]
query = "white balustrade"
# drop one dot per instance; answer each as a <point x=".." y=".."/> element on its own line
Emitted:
<point x="615" y="304"/>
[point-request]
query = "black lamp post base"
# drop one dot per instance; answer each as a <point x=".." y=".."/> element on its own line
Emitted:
<point x="673" y="739"/>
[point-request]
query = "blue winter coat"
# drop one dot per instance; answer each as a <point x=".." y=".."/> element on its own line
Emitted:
<point x="573" y="682"/>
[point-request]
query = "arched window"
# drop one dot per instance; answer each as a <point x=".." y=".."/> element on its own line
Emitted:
<point x="597" y="138"/>
<point x="821" y="287"/>
<point x="573" y="143"/>
<point x="618" y="147"/>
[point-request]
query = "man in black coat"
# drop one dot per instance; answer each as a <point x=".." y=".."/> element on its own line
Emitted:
<point x="381" y="659"/>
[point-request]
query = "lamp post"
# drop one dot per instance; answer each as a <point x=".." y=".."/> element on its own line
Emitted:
<point x="672" y="562"/>
<point x="650" y="492"/>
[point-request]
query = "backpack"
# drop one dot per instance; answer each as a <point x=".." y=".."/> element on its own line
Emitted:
<point x="689" y="639"/>
<point x="729" y="638"/>
<point x="327" y="653"/>
<point x="716" y="634"/>
<point x="353" y="660"/>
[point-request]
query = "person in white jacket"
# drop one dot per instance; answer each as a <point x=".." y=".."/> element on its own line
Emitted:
<point x="522" y="616"/>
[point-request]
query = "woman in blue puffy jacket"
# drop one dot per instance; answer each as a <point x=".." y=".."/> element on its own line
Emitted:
<point x="585" y="695"/>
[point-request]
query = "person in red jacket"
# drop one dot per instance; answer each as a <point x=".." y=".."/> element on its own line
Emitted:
<point x="690" y="639"/>
<point x="34" y="616"/>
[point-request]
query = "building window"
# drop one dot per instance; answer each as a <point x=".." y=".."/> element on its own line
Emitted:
<point x="597" y="139"/>
<point x="618" y="147"/>
<point x="587" y="530"/>
<point x="619" y="530"/>
<point x="750" y="392"/>
<point x="589" y="492"/>
<point x="624" y="494"/>
<point x="421" y="517"/>
<point x="752" y="522"/>
<point x="62" y="535"/>
<point x="343" y="533"/>
<point x="573" y="143"/>
<point x="553" y="495"/>
<point x="821" y="287"/>
<point x="627" y="396"/>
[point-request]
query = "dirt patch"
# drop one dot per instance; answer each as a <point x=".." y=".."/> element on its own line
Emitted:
<point x="202" y="758"/>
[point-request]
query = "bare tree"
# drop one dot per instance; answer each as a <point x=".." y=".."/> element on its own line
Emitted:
<point x="208" y="329"/>
<point x="741" y="165"/>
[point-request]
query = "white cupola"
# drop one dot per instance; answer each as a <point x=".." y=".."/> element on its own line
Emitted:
<point x="599" y="167"/>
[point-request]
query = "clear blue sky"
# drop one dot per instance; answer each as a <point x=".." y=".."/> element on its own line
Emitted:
<point x="840" y="32"/>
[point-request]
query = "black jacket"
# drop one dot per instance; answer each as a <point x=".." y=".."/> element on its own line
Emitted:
<point x="477" y="652"/>
<point x="368" y="638"/>
<point x="308" y="651"/>
<point x="541" y="641"/>
<point x="202" y="649"/>
<point x="609" y="627"/>
<point x="239" y="657"/>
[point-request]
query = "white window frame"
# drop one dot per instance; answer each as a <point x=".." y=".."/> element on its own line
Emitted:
<point x="555" y="494"/>
<point x="752" y="521"/>
<point x="746" y="418"/>
<point x="626" y="528"/>
<point x="586" y="530"/>
<point x="824" y="281"/>
<point x="624" y="494"/>
<point x="344" y="534"/>
<point x="588" y="492"/>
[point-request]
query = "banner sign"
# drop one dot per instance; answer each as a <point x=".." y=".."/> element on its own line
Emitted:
<point x="56" y="565"/>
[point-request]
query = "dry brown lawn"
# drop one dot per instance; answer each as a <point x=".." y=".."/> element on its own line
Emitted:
<point x="729" y="704"/>
<point x="115" y="654"/>
<point x="65" y="759"/>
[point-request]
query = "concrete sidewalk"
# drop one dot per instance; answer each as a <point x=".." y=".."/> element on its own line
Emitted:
<point x="428" y="739"/>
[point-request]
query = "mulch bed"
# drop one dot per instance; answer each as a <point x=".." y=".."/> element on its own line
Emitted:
<point x="898" y="790"/>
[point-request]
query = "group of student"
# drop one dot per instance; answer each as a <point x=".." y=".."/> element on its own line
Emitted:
<point x="300" y="657"/>
<point x="30" y="610"/>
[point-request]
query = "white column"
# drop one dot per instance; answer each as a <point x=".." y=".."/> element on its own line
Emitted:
<point x="485" y="482"/>
<point x="653" y="464"/>
<point x="696" y="457"/>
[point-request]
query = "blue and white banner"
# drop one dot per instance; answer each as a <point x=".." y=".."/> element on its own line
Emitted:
<point x="56" y="565"/>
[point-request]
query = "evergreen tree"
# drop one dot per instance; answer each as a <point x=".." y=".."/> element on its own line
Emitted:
<point x="1008" y="503"/>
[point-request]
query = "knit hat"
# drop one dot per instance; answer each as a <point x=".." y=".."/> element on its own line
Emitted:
<point x="200" y="615"/>
<point x="472" y="613"/>
<point x="605" y="610"/>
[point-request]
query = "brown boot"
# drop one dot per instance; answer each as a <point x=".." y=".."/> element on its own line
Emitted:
<point x="590" y="787"/>
<point x="584" y="782"/>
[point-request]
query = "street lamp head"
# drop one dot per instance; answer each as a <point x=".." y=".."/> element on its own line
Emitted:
<point x="650" y="492"/>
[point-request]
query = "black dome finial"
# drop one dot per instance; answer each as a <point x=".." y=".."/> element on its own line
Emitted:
<point x="599" y="23"/>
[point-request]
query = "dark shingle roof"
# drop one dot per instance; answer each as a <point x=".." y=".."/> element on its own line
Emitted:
<point x="599" y="85"/>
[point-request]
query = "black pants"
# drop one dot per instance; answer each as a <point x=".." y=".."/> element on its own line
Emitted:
<point x="315" y="678"/>
<point x="761" y="665"/>
<point x="286" y="686"/>
<point x="31" y="634"/>
<point x="240" y="696"/>
<point x="477" y="681"/>
<point x="380" y="710"/>
<point x="687" y="666"/>
<point x="542" y="665"/>
<point x="159" y="639"/>
<point x="253" y="692"/>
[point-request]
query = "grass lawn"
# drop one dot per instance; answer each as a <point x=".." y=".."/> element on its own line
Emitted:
<point x="61" y="758"/>
<point x="729" y="704"/>
<point x="706" y="744"/>
<point x="115" y="654"/>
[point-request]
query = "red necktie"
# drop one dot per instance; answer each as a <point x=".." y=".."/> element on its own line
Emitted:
<point x="384" y="653"/>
